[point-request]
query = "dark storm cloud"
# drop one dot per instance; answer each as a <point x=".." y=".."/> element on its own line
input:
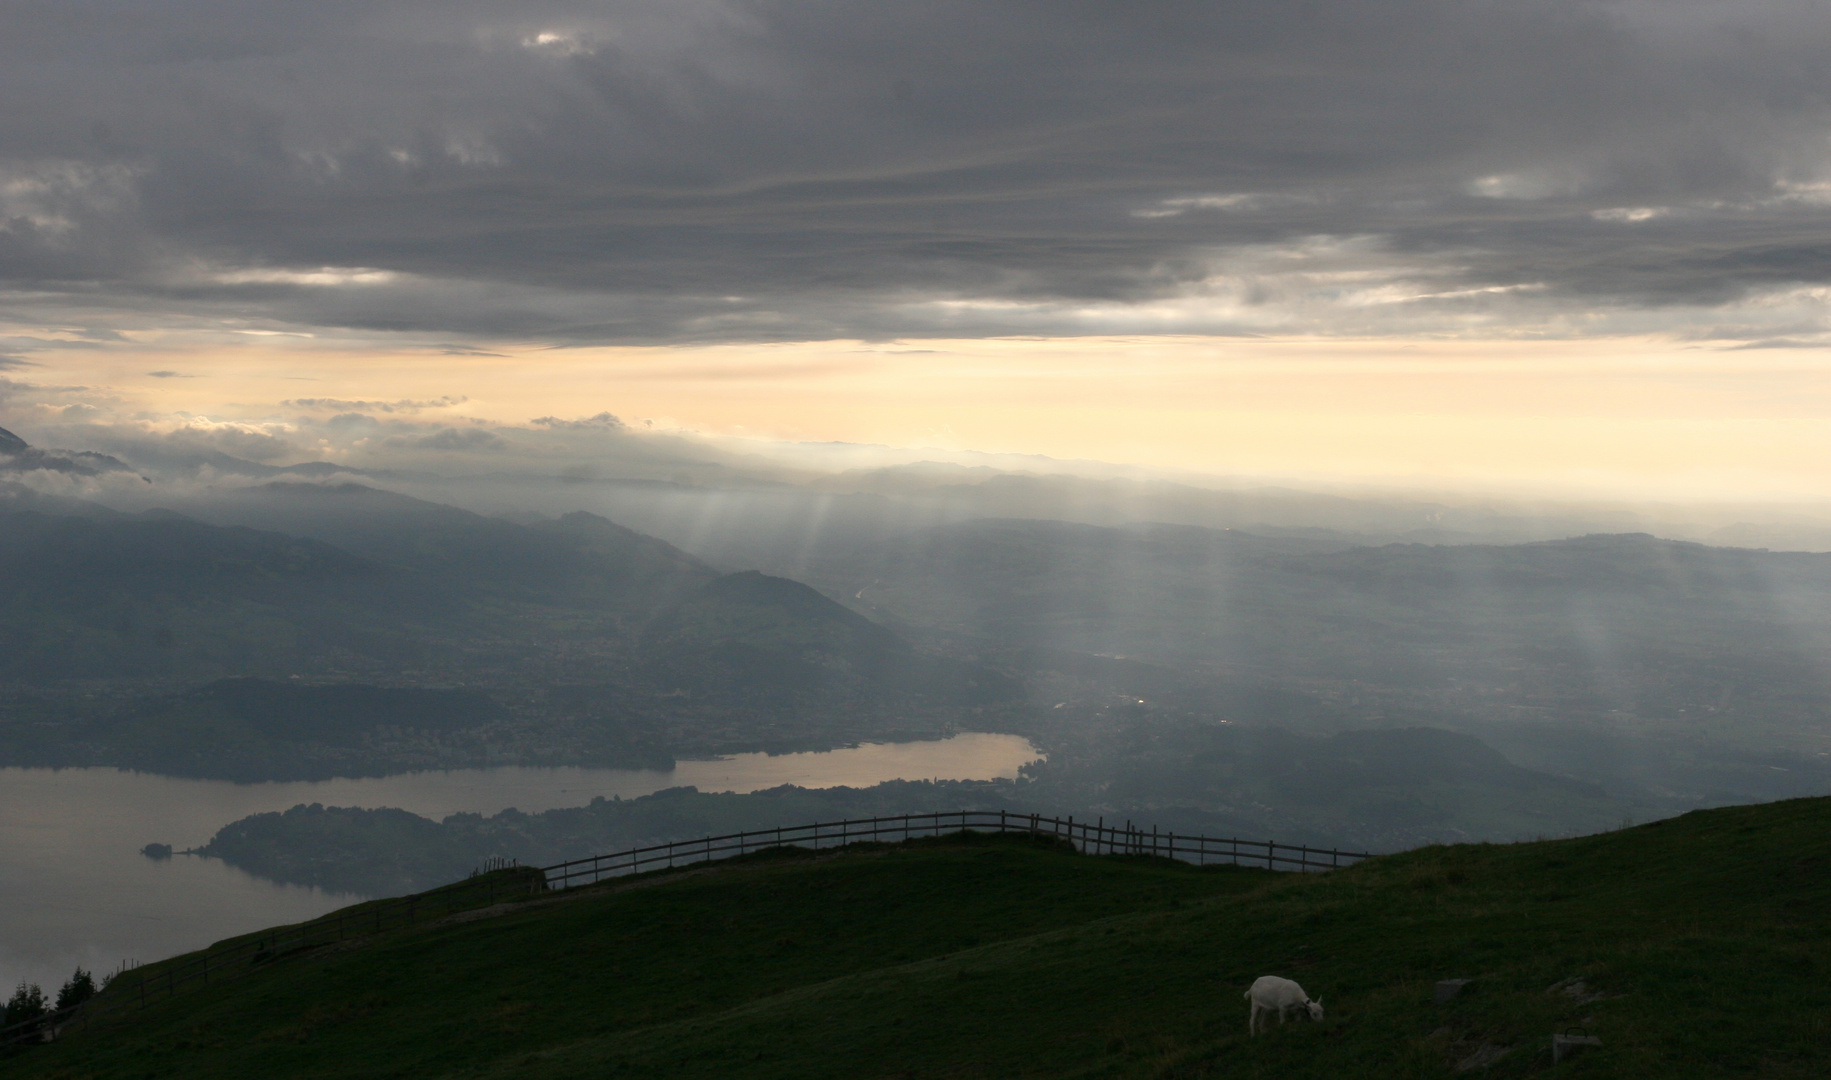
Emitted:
<point x="582" y="172"/>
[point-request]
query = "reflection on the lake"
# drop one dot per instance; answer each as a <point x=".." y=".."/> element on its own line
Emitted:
<point x="75" y="890"/>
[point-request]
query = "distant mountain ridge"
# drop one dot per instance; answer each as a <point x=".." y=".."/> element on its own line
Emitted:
<point x="770" y="640"/>
<point x="18" y="457"/>
<point x="601" y="642"/>
<point x="579" y="560"/>
<point x="595" y="642"/>
<point x="166" y="597"/>
<point x="76" y="592"/>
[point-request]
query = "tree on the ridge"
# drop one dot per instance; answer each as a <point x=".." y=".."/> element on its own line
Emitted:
<point x="26" y="1006"/>
<point x="79" y="989"/>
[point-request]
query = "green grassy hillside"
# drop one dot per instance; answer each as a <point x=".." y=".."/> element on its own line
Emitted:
<point x="1701" y="943"/>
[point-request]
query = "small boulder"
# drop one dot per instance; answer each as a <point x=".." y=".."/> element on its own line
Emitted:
<point x="1576" y="990"/>
<point x="1449" y="989"/>
<point x="1485" y="1055"/>
<point x="1567" y="1043"/>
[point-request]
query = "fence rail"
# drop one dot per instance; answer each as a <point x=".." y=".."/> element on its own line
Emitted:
<point x="140" y="987"/>
<point x="1095" y="837"/>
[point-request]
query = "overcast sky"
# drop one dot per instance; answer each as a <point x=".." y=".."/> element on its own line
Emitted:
<point x="417" y="200"/>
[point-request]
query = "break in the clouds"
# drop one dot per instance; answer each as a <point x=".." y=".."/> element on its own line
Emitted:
<point x="704" y="170"/>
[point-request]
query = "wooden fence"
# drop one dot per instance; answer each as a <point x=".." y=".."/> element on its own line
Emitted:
<point x="1094" y="837"/>
<point x="139" y="987"/>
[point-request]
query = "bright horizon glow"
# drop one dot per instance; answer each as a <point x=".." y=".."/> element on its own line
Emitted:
<point x="1621" y="417"/>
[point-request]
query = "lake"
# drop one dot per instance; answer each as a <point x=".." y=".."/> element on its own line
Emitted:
<point x="74" y="888"/>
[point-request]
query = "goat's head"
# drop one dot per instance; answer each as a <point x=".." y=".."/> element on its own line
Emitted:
<point x="1315" y="1008"/>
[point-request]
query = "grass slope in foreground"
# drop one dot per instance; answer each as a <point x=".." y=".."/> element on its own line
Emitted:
<point x="995" y="957"/>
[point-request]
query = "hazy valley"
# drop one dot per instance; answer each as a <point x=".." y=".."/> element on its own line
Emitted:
<point x="1301" y="683"/>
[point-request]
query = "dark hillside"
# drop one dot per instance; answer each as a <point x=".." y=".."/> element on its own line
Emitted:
<point x="343" y="712"/>
<point x="1380" y="790"/>
<point x="1364" y="791"/>
<point x="1693" y="947"/>
<point x="259" y="729"/>
<point x="579" y="561"/>
<point x="768" y="641"/>
<point x="1615" y="658"/>
<point x="170" y="597"/>
<point x="378" y="588"/>
<point x="777" y="615"/>
<point x="1178" y="595"/>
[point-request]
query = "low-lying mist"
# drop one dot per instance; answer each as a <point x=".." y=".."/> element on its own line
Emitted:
<point x="172" y="607"/>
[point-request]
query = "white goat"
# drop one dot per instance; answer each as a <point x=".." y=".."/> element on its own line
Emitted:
<point x="1269" y="994"/>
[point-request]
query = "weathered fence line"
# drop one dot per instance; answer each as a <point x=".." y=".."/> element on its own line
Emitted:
<point x="501" y="882"/>
<point x="1094" y="837"/>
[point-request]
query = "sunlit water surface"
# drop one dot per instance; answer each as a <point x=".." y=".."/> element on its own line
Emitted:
<point x="74" y="888"/>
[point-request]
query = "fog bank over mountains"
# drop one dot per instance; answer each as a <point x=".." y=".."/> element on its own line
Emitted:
<point x="760" y="504"/>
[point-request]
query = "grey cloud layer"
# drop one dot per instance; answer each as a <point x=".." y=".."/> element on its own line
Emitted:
<point x="581" y="172"/>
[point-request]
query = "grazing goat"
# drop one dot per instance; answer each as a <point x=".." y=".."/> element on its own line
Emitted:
<point x="1269" y="994"/>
